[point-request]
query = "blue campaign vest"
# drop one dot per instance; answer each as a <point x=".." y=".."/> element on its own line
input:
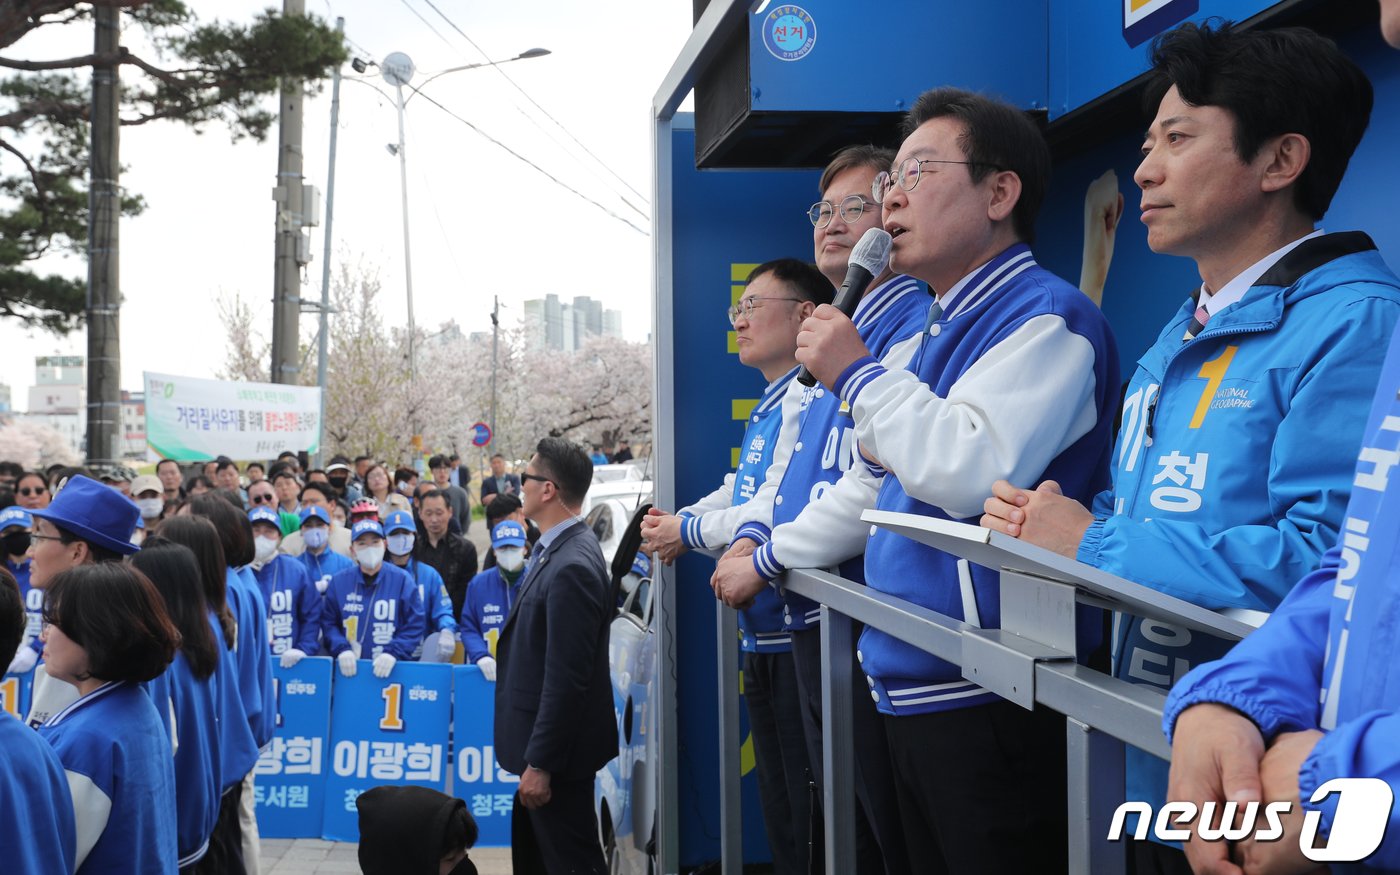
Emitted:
<point x="325" y="566"/>
<point x="293" y="606"/>
<point x="38" y="836"/>
<point x="198" y="793"/>
<point x="387" y="616"/>
<point x="825" y="447"/>
<point x="484" y="612"/>
<point x="761" y="625"/>
<point x="1006" y="293"/>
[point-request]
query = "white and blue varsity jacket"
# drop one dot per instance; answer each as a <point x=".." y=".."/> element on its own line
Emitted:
<point x="710" y="522"/>
<point x="1017" y="379"/>
<point x="250" y="652"/>
<point x="824" y="450"/>
<point x="373" y="616"/>
<point x="113" y="746"/>
<point x="194" y="733"/>
<point x="37" y="834"/>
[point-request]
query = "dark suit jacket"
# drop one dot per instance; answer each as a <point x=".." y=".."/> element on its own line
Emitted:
<point x="554" y="707"/>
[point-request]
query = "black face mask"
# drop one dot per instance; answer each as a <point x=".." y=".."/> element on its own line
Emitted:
<point x="15" y="543"/>
<point x="338" y="482"/>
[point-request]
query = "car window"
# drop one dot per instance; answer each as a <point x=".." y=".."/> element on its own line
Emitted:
<point x="599" y="519"/>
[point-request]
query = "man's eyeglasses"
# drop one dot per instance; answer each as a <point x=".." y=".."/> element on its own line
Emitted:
<point x="746" y="306"/>
<point x="35" y="536"/>
<point x="907" y="176"/>
<point x="852" y="208"/>
<point x="260" y="499"/>
<point x="33" y="490"/>
<point x="524" y="476"/>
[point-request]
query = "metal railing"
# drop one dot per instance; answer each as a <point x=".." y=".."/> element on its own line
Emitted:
<point x="1030" y="660"/>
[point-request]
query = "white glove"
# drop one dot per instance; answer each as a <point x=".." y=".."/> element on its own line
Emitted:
<point x="322" y="583"/>
<point x="24" y="660"/>
<point x="291" y="656"/>
<point x="348" y="665"/>
<point x="383" y="664"/>
<point x="447" y="645"/>
<point x="488" y="668"/>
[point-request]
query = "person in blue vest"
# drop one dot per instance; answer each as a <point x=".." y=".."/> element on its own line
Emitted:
<point x="1014" y="376"/>
<point x="440" y="626"/>
<point x="1226" y="492"/>
<point x="36" y="807"/>
<point x="490" y="595"/>
<point x="320" y="560"/>
<point x="16" y="528"/>
<point x="106" y="631"/>
<point x="766" y="326"/>
<point x="806" y="476"/>
<point x="371" y="611"/>
<point x="187" y="693"/>
<point x="293" y="604"/>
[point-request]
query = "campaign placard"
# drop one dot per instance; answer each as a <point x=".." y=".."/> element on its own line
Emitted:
<point x="14" y="693"/>
<point x="479" y="780"/>
<point x="390" y="730"/>
<point x="289" y="786"/>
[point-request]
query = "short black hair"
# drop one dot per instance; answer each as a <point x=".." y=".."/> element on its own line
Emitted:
<point x="97" y="552"/>
<point x="502" y="506"/>
<point x="319" y="487"/>
<point x="996" y="137"/>
<point x="287" y="454"/>
<point x="434" y="493"/>
<point x="235" y="532"/>
<point x="12" y="617"/>
<point x="175" y="572"/>
<point x="198" y="480"/>
<point x="567" y="464"/>
<point x="1271" y="82"/>
<point x="495" y="456"/>
<point x="115" y="613"/>
<point x="282" y="474"/>
<point x="801" y="278"/>
<point x="224" y="462"/>
<point x="359" y="459"/>
<point x="251" y="465"/>
<point x="199" y="535"/>
<point x="403" y="474"/>
<point x="167" y="462"/>
<point x="438" y="461"/>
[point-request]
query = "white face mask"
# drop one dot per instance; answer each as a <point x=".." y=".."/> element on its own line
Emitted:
<point x="315" y="537"/>
<point x="150" y="507"/>
<point x="401" y="545"/>
<point x="511" y="558"/>
<point x="370" y="558"/>
<point x="265" y="548"/>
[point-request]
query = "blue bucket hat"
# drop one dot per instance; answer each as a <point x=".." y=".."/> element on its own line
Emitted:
<point x="641" y="566"/>
<point x="262" y="514"/>
<point x="366" y="527"/>
<point x="317" y="512"/>
<point x="14" y="515"/>
<point x="98" y="514"/>
<point x="507" y="533"/>
<point x="399" y="521"/>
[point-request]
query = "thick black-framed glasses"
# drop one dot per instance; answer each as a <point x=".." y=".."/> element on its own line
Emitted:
<point x="907" y="176"/>
<point x="746" y="306"/>
<point x="852" y="208"/>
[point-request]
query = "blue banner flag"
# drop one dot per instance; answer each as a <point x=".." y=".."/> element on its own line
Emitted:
<point x="479" y="780"/>
<point x="290" y="786"/>
<point x="390" y="730"/>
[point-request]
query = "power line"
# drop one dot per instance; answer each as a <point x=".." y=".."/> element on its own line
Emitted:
<point x="428" y="23"/>
<point x="556" y="180"/>
<point x="536" y="104"/>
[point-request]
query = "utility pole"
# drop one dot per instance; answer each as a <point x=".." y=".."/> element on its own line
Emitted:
<point x="322" y="336"/>
<point x="291" y="250"/>
<point x="495" y="337"/>
<point x="104" y="406"/>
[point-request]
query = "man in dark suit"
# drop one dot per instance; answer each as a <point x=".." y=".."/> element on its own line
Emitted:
<point x="555" y="725"/>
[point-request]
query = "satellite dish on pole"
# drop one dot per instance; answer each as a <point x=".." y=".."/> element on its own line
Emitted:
<point x="397" y="69"/>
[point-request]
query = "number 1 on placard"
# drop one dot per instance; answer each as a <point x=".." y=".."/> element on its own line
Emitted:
<point x="491" y="636"/>
<point x="393" y="708"/>
<point x="9" y="697"/>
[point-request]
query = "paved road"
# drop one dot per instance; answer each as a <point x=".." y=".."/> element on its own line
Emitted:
<point x="316" y="856"/>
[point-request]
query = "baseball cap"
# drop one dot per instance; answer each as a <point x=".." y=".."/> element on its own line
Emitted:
<point x="366" y="527"/>
<point x="507" y="533"/>
<point x="399" y="521"/>
<point x="261" y="514"/>
<point x="337" y="466"/>
<point x="147" y="483"/>
<point x="14" y="515"/>
<point x="316" y="512"/>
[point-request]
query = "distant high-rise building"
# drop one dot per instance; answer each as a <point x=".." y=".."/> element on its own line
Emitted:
<point x="552" y="324"/>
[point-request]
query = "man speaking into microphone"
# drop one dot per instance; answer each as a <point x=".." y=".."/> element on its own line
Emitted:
<point x="1015" y="370"/>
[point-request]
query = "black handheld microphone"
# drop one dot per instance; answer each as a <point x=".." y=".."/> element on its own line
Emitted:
<point x="868" y="260"/>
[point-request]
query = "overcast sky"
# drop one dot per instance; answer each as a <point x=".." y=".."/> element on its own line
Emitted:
<point x="482" y="221"/>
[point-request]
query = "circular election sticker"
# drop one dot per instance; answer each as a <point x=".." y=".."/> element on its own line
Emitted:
<point x="789" y="33"/>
